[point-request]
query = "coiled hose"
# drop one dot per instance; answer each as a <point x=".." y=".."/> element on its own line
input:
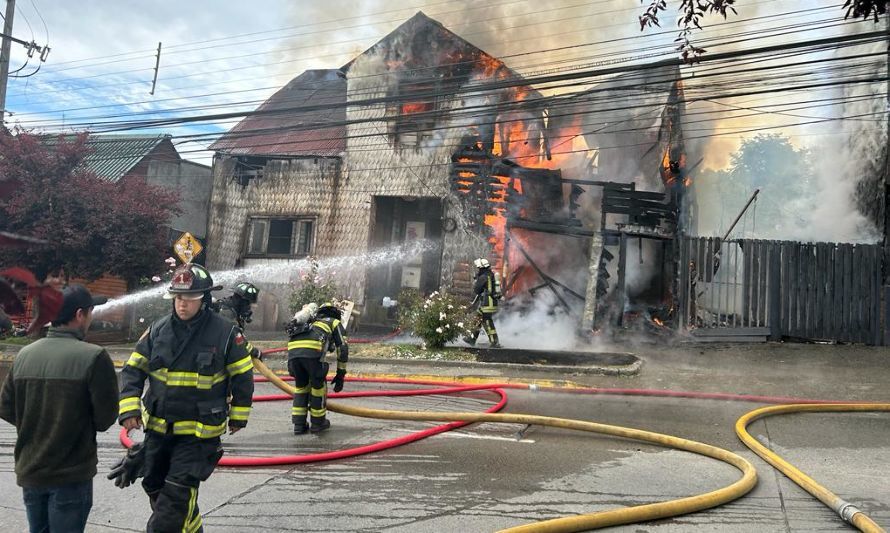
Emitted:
<point x="640" y="513"/>
<point x="847" y="511"/>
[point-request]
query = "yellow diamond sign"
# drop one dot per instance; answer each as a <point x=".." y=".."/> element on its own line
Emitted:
<point x="187" y="247"/>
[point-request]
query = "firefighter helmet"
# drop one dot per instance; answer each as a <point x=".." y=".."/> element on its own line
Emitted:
<point x="329" y="310"/>
<point x="248" y="291"/>
<point x="192" y="281"/>
<point x="481" y="263"/>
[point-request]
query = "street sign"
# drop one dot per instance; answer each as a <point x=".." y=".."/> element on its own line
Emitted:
<point x="187" y="247"/>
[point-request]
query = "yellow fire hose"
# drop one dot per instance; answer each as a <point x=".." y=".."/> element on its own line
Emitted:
<point x="640" y="513"/>
<point x="847" y="511"/>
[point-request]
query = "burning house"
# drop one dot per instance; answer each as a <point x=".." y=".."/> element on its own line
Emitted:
<point x="425" y="136"/>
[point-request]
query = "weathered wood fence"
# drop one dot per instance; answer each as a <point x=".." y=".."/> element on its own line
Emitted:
<point x="782" y="289"/>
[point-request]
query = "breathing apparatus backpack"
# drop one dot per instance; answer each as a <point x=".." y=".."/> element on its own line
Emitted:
<point x="496" y="286"/>
<point x="302" y="320"/>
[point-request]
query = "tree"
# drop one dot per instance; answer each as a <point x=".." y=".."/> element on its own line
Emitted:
<point x="691" y="13"/>
<point x="93" y="226"/>
<point x="784" y="175"/>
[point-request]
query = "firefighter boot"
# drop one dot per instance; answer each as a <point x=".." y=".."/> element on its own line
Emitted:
<point x="319" y="425"/>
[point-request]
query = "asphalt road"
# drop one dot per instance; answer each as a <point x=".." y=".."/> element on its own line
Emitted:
<point x="491" y="476"/>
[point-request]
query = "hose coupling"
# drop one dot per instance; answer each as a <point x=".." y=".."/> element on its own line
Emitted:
<point x="847" y="511"/>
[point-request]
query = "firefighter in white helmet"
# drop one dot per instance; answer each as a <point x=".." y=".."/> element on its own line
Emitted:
<point x="487" y="290"/>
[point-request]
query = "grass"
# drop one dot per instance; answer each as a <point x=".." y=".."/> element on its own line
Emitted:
<point x="394" y="351"/>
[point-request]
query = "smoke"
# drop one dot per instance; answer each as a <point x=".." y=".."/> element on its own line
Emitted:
<point x="542" y="325"/>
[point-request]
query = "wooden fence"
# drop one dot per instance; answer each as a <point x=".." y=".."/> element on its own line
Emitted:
<point x="784" y="289"/>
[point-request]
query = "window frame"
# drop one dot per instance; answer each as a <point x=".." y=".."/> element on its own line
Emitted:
<point x="298" y="223"/>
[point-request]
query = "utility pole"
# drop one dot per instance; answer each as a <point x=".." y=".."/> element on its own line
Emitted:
<point x="154" y="82"/>
<point x="4" y="56"/>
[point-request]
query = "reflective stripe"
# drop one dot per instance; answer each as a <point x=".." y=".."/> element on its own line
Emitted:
<point x="186" y="427"/>
<point x="192" y="524"/>
<point x="248" y="347"/>
<point x="335" y="323"/>
<point x="341" y="365"/>
<point x="318" y="392"/>
<point x="241" y="366"/>
<point x="297" y="411"/>
<point x="188" y="379"/>
<point x="239" y="413"/>
<point x="301" y="390"/>
<point x="322" y="325"/>
<point x="137" y="360"/>
<point x="310" y="344"/>
<point x="126" y="405"/>
<point x="489" y="308"/>
<point x="318" y="413"/>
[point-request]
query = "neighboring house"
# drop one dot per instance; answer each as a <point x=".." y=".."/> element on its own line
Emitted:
<point x="345" y="161"/>
<point x="154" y="159"/>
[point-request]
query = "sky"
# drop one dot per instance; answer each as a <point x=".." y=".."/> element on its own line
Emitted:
<point x="224" y="55"/>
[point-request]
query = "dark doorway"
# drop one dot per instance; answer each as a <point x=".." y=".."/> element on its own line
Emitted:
<point x="397" y="220"/>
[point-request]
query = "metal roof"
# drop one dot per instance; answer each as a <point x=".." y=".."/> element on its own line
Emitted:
<point x="291" y="131"/>
<point x="112" y="156"/>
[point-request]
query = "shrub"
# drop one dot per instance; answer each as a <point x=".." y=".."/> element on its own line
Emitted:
<point x="410" y="300"/>
<point x="440" y="319"/>
<point x="313" y="288"/>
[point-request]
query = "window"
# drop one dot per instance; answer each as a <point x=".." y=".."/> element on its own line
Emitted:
<point x="280" y="237"/>
<point x="415" y="119"/>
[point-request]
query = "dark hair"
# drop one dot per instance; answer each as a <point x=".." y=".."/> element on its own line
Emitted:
<point x="61" y="321"/>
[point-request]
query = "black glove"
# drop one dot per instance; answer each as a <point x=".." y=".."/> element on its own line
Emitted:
<point x="257" y="353"/>
<point x="337" y="381"/>
<point x="130" y="468"/>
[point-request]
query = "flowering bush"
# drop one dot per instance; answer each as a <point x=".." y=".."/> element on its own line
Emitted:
<point x="312" y="288"/>
<point x="439" y="319"/>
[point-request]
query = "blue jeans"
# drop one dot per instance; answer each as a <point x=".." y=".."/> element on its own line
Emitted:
<point x="62" y="509"/>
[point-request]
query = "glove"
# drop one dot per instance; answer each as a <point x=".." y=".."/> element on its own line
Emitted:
<point x="337" y="381"/>
<point x="257" y="353"/>
<point x="130" y="468"/>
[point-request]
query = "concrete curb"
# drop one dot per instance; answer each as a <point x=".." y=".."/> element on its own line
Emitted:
<point x="121" y="355"/>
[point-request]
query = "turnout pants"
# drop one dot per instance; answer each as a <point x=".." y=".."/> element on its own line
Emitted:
<point x="175" y="465"/>
<point x="486" y="322"/>
<point x="311" y="390"/>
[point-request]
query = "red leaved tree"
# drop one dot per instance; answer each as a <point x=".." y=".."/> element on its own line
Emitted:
<point x="93" y="226"/>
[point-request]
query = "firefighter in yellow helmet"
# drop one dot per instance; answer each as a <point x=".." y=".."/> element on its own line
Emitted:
<point x="487" y="290"/>
<point x="191" y="358"/>
<point x="312" y="334"/>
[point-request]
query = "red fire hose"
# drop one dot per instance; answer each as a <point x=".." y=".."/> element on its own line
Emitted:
<point x="359" y="450"/>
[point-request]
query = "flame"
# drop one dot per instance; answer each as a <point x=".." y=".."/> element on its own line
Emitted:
<point x="657" y="321"/>
<point x="409" y="108"/>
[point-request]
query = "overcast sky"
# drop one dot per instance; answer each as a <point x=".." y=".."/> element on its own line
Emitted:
<point x="221" y="56"/>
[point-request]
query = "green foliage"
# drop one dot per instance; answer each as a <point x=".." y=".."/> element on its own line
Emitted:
<point x="440" y="319"/>
<point x="410" y="300"/>
<point x="313" y="288"/>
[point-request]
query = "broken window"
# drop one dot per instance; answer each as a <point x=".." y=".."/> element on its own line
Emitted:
<point x="280" y="237"/>
<point x="415" y="117"/>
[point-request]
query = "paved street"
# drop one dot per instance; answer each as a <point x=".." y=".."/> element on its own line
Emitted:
<point x="490" y="476"/>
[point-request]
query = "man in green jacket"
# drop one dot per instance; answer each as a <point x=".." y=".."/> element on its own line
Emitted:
<point x="59" y="393"/>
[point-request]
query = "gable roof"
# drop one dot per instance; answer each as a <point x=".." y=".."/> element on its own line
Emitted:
<point x="293" y="132"/>
<point x="113" y="156"/>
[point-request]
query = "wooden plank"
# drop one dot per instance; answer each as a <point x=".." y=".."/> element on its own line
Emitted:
<point x="845" y="292"/>
<point x="876" y="295"/>
<point x="622" y="269"/>
<point x="794" y="277"/>
<point x="860" y="273"/>
<point x="811" y="291"/>
<point x="783" y="286"/>
<point x="762" y="269"/>
<point x="837" y="288"/>
<point x="823" y="252"/>
<point x="775" y="290"/>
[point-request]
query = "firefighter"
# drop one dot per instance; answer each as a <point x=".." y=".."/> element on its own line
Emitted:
<point x="238" y="309"/>
<point x="191" y="358"/>
<point x="310" y="339"/>
<point x="487" y="290"/>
